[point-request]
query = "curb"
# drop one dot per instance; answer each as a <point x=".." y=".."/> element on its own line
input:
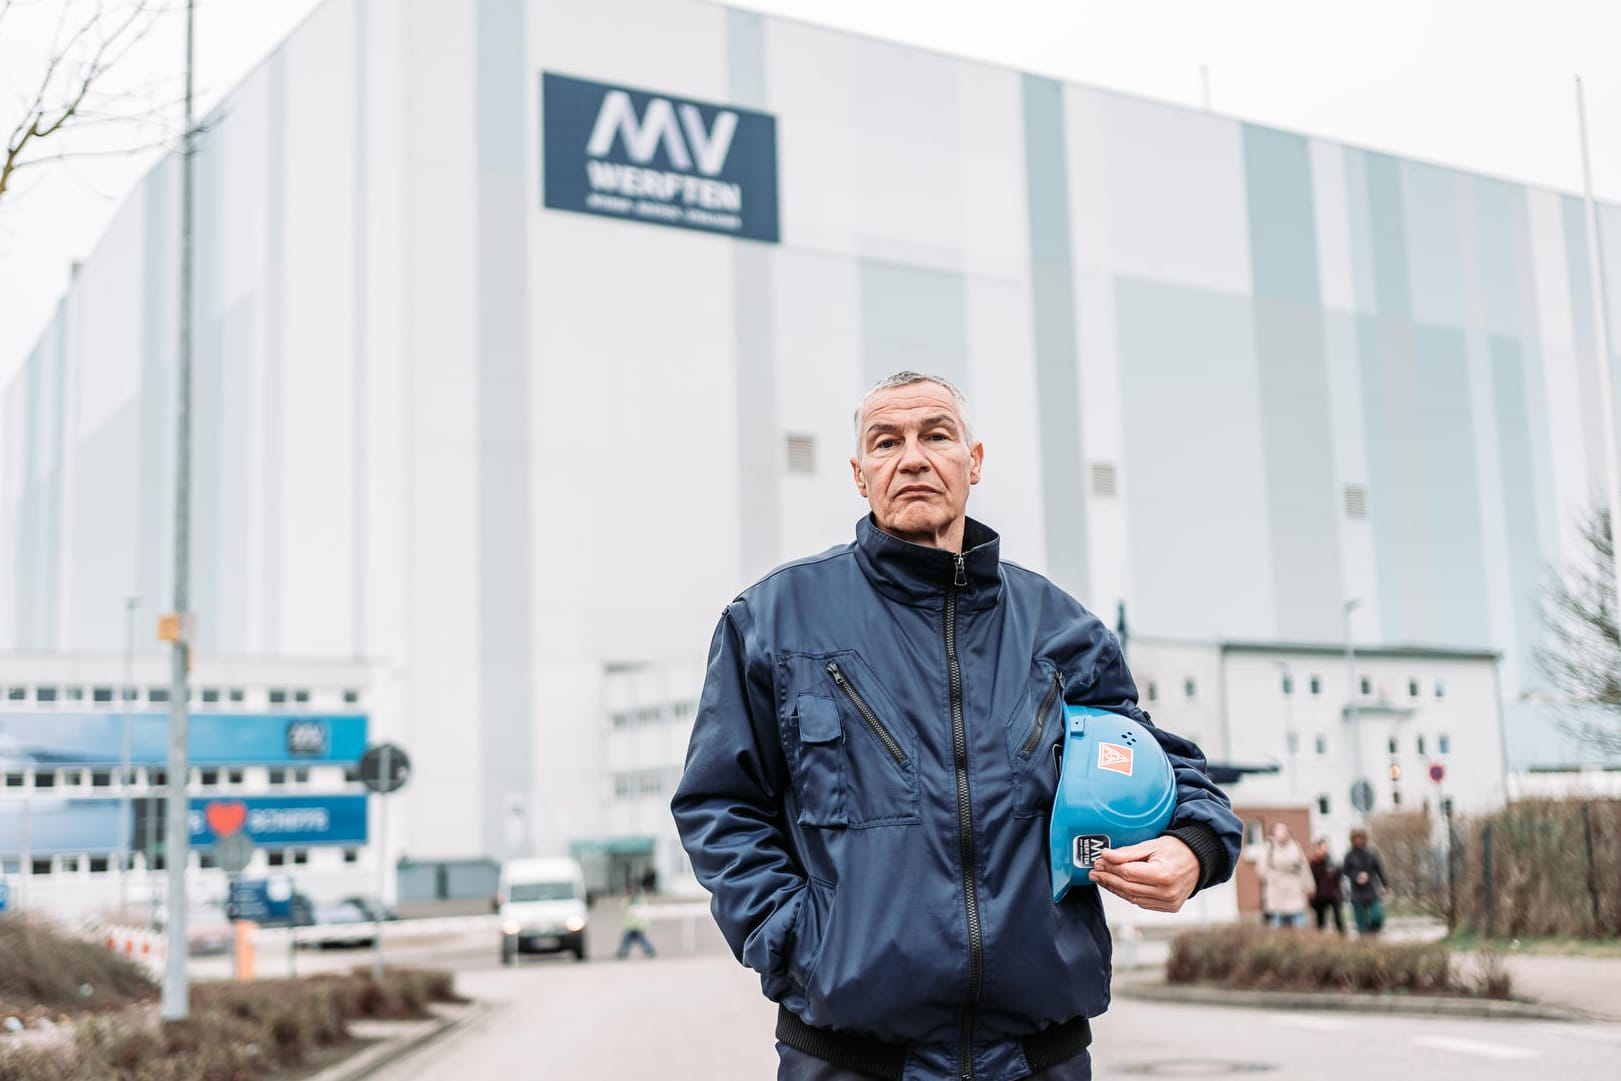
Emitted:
<point x="1413" y="1005"/>
<point x="386" y="1052"/>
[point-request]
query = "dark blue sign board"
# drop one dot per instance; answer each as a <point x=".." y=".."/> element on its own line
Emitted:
<point x="5" y="895"/>
<point x="50" y="740"/>
<point x="261" y="900"/>
<point x="644" y="156"/>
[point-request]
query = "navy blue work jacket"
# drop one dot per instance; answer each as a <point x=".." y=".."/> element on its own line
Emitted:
<point x="877" y="888"/>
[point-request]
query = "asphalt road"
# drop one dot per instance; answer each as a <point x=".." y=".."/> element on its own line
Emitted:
<point x="699" y="1017"/>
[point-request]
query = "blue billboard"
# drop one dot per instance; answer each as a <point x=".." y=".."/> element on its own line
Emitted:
<point x="49" y="740"/>
<point x="48" y="827"/>
<point x="656" y="158"/>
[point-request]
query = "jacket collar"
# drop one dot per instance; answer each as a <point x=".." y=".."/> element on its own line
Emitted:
<point x="921" y="576"/>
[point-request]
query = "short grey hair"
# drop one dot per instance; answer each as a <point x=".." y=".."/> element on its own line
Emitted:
<point x="906" y="379"/>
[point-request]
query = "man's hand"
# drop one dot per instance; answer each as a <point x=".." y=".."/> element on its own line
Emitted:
<point x="1157" y="875"/>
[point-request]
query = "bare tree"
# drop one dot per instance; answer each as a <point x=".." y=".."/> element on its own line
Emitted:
<point x="1582" y="650"/>
<point x="90" y="39"/>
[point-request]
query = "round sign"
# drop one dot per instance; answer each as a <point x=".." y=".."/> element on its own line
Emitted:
<point x="232" y="852"/>
<point x="380" y="777"/>
<point x="1437" y="771"/>
<point x="1362" y="796"/>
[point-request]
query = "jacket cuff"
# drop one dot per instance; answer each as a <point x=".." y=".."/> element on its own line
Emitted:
<point x="1207" y="847"/>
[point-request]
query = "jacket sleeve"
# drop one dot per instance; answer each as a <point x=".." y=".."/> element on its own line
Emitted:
<point x="1204" y="819"/>
<point x="728" y="807"/>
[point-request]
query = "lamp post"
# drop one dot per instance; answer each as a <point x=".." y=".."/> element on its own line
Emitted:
<point x="1352" y="690"/>
<point x="126" y="828"/>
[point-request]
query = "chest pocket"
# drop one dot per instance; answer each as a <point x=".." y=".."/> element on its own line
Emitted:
<point x="852" y="752"/>
<point x="1033" y="733"/>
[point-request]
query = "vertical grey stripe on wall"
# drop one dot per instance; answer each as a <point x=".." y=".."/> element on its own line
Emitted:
<point x="1584" y="330"/>
<point x="155" y="510"/>
<point x="1388" y="233"/>
<point x="914" y="318"/>
<point x="360" y="540"/>
<point x="759" y="456"/>
<point x="505" y="549"/>
<point x="1297" y="420"/>
<point x="1515" y="461"/>
<point x="274" y="320"/>
<point x="1052" y="298"/>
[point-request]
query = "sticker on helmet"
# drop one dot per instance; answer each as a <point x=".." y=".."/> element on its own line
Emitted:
<point x="1088" y="847"/>
<point x="1112" y="756"/>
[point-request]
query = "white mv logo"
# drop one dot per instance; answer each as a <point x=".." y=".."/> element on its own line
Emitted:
<point x="674" y="194"/>
<point x="658" y="125"/>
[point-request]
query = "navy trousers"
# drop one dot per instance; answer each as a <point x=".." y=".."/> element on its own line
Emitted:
<point x="795" y="1065"/>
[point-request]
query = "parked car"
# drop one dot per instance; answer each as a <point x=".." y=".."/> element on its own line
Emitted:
<point x="344" y="924"/>
<point x="542" y="907"/>
<point x="373" y="907"/>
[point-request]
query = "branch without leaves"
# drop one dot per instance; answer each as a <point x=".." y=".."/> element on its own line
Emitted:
<point x="1582" y="654"/>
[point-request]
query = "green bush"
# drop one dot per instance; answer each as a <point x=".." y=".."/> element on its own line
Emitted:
<point x="1254" y="957"/>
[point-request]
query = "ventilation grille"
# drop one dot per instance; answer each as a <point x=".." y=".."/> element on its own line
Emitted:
<point x="1356" y="501"/>
<point x="1104" y="480"/>
<point x="801" y="454"/>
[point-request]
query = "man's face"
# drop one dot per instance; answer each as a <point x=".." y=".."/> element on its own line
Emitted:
<point x="914" y="464"/>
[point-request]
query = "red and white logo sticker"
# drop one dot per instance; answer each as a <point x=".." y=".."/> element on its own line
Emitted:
<point x="1112" y="756"/>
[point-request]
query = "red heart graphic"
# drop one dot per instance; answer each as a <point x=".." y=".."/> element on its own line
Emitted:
<point x="226" y="817"/>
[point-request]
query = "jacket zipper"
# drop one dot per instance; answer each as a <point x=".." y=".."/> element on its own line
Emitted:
<point x="965" y="831"/>
<point x="1034" y="737"/>
<point x="877" y="726"/>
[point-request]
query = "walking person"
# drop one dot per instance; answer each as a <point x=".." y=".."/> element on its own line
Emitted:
<point x="1286" y="882"/>
<point x="871" y="768"/>
<point x="1326" y="897"/>
<point x="1366" y="874"/>
<point x="633" y="926"/>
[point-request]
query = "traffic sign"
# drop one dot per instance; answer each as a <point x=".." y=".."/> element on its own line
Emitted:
<point x="1437" y="771"/>
<point x="372" y="770"/>
<point x="1362" y="796"/>
<point x="233" y="851"/>
<point x="5" y="894"/>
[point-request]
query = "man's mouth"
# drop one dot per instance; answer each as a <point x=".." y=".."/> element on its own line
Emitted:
<point x="916" y="489"/>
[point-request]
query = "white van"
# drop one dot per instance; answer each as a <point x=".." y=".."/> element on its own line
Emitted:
<point x="541" y="903"/>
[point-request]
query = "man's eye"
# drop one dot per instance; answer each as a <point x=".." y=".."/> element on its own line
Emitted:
<point x="883" y="444"/>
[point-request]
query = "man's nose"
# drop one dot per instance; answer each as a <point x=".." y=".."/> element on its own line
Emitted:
<point x="913" y="460"/>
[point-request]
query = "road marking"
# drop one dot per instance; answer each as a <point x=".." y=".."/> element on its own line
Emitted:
<point x="1316" y="1024"/>
<point x="1475" y="1047"/>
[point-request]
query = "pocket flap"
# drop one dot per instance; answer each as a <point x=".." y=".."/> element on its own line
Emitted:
<point x="818" y="719"/>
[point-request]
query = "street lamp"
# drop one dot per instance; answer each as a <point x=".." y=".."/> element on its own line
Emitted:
<point x="125" y="822"/>
<point x="1351" y="688"/>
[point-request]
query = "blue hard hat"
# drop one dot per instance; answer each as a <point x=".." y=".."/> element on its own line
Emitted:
<point x="1115" y="788"/>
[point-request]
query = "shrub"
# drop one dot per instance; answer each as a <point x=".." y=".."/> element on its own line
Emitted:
<point x="1542" y="883"/>
<point x="1255" y="957"/>
<point x="43" y="970"/>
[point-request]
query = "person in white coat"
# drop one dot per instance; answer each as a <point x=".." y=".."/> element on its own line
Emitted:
<point x="1286" y="880"/>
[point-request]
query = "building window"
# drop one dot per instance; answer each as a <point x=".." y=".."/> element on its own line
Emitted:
<point x="1367" y="685"/>
<point x="801" y="453"/>
<point x="351" y="855"/>
<point x="1440" y="689"/>
<point x="211" y="694"/>
<point x="1420" y="745"/>
<point x="157" y="694"/>
<point x="302" y="697"/>
<point x="205" y="860"/>
<point x="1288" y="685"/>
<point x="15" y="779"/>
<point x="1443" y="744"/>
<point x="102" y="694"/>
<point x="75" y="694"/>
<point x="275" y="857"/>
<point x="157" y="778"/>
<point x="1446" y="807"/>
<point x="351" y="774"/>
<point x="1391" y="744"/>
<point x="1322" y="744"/>
<point x="276" y="776"/>
<point x="1322" y="805"/>
<point x="40" y="866"/>
<point x="45" y="778"/>
<point x="44" y="694"/>
<point x="278" y="696"/>
<point x="235" y="694"/>
<point x="72" y="778"/>
<point x="1395" y="796"/>
<point x="301" y="856"/>
<point x="70" y="864"/>
<point x="1153" y="691"/>
<point x="101" y="778"/>
<point x="1189" y="688"/>
<point x="17" y="694"/>
<point x="301" y="776"/>
<point x="351" y="697"/>
<point x="1412" y="688"/>
<point x="1316" y="685"/>
<point x="99" y="865"/>
<point x="208" y="778"/>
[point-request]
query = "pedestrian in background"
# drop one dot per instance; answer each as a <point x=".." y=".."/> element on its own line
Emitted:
<point x="633" y="925"/>
<point x="1366" y="874"/>
<point x="1286" y="882"/>
<point x="1326" y="897"/>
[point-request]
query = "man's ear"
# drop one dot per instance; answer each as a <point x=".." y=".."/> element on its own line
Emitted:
<point x="861" y="482"/>
<point x="976" y="459"/>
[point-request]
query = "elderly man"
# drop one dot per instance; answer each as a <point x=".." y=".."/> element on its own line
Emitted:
<point x="870" y="770"/>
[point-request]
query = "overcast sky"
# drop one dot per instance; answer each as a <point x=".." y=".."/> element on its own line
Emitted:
<point x="1484" y="85"/>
